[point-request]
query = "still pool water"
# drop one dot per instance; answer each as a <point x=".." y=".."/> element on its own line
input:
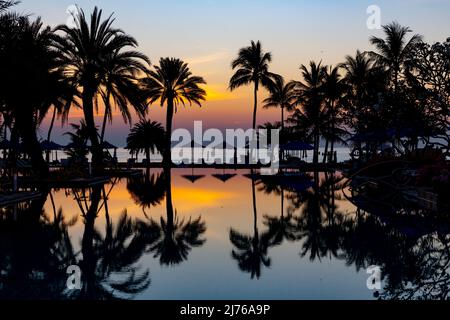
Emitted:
<point x="218" y="235"/>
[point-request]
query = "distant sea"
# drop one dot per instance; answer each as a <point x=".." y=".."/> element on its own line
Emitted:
<point x="343" y="154"/>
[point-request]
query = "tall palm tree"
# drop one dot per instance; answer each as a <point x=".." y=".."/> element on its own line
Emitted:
<point x="96" y="61"/>
<point x="172" y="83"/>
<point x="282" y="95"/>
<point x="364" y="80"/>
<point x="78" y="149"/>
<point x="30" y="64"/>
<point x="394" y="51"/>
<point x="146" y="135"/>
<point x="252" y="66"/>
<point x="311" y="98"/>
<point x="333" y="90"/>
<point x="360" y="72"/>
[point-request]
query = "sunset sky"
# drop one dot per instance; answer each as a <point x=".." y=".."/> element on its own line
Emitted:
<point x="208" y="33"/>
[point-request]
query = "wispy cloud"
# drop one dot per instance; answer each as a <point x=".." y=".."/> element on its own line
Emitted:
<point x="208" y="58"/>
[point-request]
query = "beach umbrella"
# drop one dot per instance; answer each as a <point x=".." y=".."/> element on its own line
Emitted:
<point x="296" y="146"/>
<point x="224" y="177"/>
<point x="108" y="146"/>
<point x="193" y="177"/>
<point x="50" y="146"/>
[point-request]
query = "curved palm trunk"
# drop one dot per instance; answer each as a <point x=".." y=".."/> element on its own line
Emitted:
<point x="255" y="105"/>
<point x="49" y="134"/>
<point x="169" y="119"/>
<point x="102" y="136"/>
<point x="316" y="145"/>
<point x="332" y="143"/>
<point x="105" y="118"/>
<point x="88" y="110"/>
<point x="282" y="119"/>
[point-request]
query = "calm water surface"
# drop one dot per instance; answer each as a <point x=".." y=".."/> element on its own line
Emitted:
<point x="217" y="235"/>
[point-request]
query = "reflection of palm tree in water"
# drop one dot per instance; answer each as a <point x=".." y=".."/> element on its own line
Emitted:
<point x="280" y="228"/>
<point x="251" y="251"/>
<point x="34" y="252"/>
<point x="147" y="191"/>
<point x="172" y="239"/>
<point x="319" y="222"/>
<point x="109" y="263"/>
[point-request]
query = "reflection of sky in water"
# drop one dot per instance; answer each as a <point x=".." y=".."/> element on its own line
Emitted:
<point x="210" y="272"/>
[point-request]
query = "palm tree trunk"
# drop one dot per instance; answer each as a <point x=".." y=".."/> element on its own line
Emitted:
<point x="255" y="108"/>
<point x="105" y="117"/>
<point x="147" y="155"/>
<point x="169" y="119"/>
<point x="316" y="146"/>
<point x="282" y="119"/>
<point x="52" y="123"/>
<point x="102" y="136"/>
<point x="88" y="110"/>
<point x="49" y="134"/>
<point x="332" y="147"/>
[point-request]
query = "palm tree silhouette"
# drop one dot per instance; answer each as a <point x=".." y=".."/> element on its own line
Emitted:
<point x="310" y="97"/>
<point x="147" y="191"/>
<point x="173" y="238"/>
<point x="394" y="51"/>
<point x="279" y="228"/>
<point x="148" y="136"/>
<point x="364" y="81"/>
<point x="121" y="70"/>
<point x="34" y="252"/>
<point x="172" y="83"/>
<point x="115" y="253"/>
<point x="283" y="96"/>
<point x="77" y="150"/>
<point x="251" y="251"/>
<point x="333" y="90"/>
<point x="319" y="222"/>
<point x="96" y="62"/>
<point x="27" y="48"/>
<point x="252" y="66"/>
